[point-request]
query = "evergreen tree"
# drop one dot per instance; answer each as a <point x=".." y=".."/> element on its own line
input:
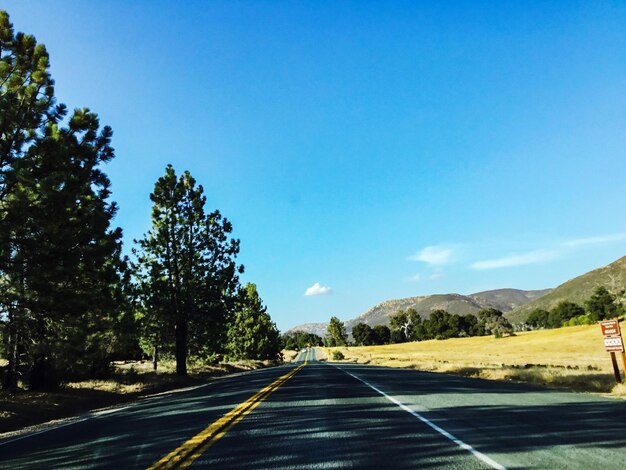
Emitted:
<point x="186" y="268"/>
<point x="26" y="97"/>
<point x="26" y="102"/>
<point x="362" y="334"/>
<point x="252" y="334"/>
<point x="59" y="258"/>
<point x="336" y="334"/>
<point x="153" y="318"/>
<point x="602" y="305"/>
<point x="73" y="263"/>
<point x="381" y="334"/>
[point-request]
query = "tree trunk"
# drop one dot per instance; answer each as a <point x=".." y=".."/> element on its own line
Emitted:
<point x="181" y="344"/>
<point x="10" y="378"/>
<point x="40" y="373"/>
<point x="155" y="353"/>
<point x="16" y="317"/>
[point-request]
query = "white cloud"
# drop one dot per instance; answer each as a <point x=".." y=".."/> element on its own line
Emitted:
<point x="434" y="255"/>
<point x="594" y="240"/>
<point x="317" y="289"/>
<point x="516" y="259"/>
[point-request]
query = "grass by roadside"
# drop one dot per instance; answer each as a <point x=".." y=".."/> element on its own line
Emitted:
<point x="321" y="354"/>
<point x="129" y="381"/>
<point x="289" y="355"/>
<point x="571" y="358"/>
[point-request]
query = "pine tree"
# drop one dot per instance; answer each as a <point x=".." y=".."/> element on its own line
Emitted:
<point x="26" y="102"/>
<point x="73" y="276"/>
<point x="186" y="268"/>
<point x="336" y="333"/>
<point x="252" y="334"/>
<point x="59" y="260"/>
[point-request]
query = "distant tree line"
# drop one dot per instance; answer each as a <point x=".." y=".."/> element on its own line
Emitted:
<point x="601" y="305"/>
<point x="296" y="340"/>
<point x="70" y="302"/>
<point x="409" y="326"/>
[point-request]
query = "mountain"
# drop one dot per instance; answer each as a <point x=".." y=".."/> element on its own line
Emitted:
<point x="318" y="329"/>
<point x="506" y="300"/>
<point x="579" y="289"/>
<point x="501" y="299"/>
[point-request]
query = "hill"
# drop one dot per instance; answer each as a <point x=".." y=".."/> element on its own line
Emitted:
<point x="501" y="299"/>
<point x="506" y="300"/>
<point x="318" y="329"/>
<point x="579" y="289"/>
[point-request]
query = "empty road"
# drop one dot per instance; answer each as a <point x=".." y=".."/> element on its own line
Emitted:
<point x="320" y="415"/>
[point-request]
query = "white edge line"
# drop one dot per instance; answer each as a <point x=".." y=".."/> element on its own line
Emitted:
<point x="479" y="455"/>
<point x="106" y="411"/>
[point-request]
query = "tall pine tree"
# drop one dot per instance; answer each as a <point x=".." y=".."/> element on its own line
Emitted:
<point x="59" y="258"/>
<point x="26" y="102"/>
<point x="186" y="269"/>
<point x="253" y="334"/>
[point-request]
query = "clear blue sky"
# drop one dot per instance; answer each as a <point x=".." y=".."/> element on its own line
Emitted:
<point x="380" y="149"/>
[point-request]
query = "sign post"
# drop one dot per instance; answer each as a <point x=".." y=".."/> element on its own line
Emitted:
<point x="613" y="343"/>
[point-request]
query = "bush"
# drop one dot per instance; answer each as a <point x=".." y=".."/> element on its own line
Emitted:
<point x="337" y="356"/>
<point x="580" y="320"/>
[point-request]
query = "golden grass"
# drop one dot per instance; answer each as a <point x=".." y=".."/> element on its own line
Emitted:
<point x="571" y="357"/>
<point x="129" y="380"/>
<point x="289" y="355"/>
<point x="322" y="354"/>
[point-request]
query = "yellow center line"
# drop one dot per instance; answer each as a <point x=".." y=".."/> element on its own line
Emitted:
<point x="189" y="451"/>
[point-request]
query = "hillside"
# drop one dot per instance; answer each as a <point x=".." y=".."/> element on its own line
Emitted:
<point x="453" y="303"/>
<point x="576" y="290"/>
<point x="506" y="300"/>
<point x="318" y="329"/>
<point x="501" y="299"/>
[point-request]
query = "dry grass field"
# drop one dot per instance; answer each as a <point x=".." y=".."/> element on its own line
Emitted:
<point x="289" y="355"/>
<point x="571" y="357"/>
<point x="129" y="380"/>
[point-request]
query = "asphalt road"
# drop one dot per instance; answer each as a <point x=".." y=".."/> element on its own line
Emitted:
<point x="337" y="416"/>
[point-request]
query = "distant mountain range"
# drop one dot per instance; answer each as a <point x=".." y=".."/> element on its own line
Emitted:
<point x="318" y="329"/>
<point x="501" y="299"/>
<point x="516" y="304"/>
<point x="579" y="289"/>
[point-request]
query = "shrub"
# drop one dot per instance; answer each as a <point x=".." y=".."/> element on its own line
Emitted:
<point x="337" y="356"/>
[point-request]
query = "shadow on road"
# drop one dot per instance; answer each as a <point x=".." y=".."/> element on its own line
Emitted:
<point x="323" y="418"/>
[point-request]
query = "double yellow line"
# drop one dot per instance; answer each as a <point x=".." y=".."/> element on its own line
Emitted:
<point x="187" y="453"/>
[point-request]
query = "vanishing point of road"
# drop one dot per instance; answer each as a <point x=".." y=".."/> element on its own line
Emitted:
<point x="312" y="414"/>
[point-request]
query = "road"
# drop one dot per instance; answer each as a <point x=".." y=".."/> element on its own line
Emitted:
<point x="322" y="415"/>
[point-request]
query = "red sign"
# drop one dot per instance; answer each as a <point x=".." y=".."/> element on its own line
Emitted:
<point x="610" y="328"/>
<point x="613" y="344"/>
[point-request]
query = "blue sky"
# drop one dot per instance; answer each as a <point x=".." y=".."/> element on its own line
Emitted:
<point x="364" y="151"/>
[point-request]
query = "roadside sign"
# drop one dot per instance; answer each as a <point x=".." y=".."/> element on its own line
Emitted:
<point x="613" y="344"/>
<point x="610" y="328"/>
